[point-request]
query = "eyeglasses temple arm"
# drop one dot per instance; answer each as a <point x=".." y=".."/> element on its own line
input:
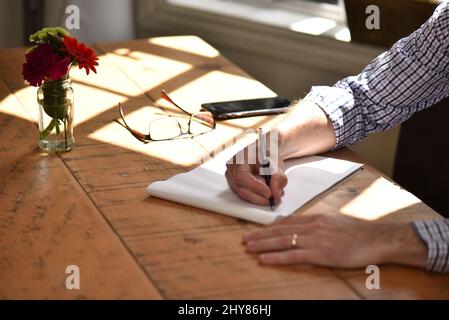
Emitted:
<point x="165" y="96"/>
<point x="135" y="133"/>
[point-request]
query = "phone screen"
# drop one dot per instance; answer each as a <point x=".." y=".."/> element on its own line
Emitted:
<point x="242" y="108"/>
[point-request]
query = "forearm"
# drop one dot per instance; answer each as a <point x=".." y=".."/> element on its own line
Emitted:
<point x="306" y="130"/>
<point x="401" y="244"/>
<point x="423" y="244"/>
<point x="410" y="77"/>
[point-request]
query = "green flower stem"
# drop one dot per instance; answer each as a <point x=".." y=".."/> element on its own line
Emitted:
<point x="58" y="131"/>
<point x="55" y="98"/>
<point x="65" y="131"/>
<point x="53" y="123"/>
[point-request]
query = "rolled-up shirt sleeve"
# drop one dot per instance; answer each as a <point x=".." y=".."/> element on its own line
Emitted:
<point x="435" y="234"/>
<point x="411" y="76"/>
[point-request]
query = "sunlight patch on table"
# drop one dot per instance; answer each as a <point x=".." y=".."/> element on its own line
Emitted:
<point x="220" y="86"/>
<point x="314" y="26"/>
<point x="10" y="105"/>
<point x="113" y="133"/>
<point x="108" y="77"/>
<point x="381" y="198"/>
<point x="230" y="131"/>
<point x="343" y="35"/>
<point x="148" y="70"/>
<point x="190" y="44"/>
<point x="217" y="85"/>
<point x="122" y="51"/>
<point x="91" y="102"/>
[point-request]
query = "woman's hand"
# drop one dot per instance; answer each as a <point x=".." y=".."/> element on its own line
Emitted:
<point x="336" y="241"/>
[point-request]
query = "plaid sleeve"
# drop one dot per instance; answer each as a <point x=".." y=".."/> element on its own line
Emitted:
<point x="411" y="76"/>
<point x="435" y="234"/>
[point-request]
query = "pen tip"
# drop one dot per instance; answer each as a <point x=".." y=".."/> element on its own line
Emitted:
<point x="272" y="203"/>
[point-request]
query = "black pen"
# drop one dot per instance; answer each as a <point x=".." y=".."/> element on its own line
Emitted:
<point x="265" y="163"/>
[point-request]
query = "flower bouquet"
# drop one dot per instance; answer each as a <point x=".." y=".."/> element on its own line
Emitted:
<point x="47" y="66"/>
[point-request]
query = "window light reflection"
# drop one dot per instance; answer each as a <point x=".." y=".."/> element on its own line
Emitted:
<point x="314" y="26"/>
<point x="381" y="198"/>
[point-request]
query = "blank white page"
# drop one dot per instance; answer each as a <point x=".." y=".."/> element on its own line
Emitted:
<point x="206" y="187"/>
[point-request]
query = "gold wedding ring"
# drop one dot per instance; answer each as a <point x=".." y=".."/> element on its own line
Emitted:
<point x="294" y="238"/>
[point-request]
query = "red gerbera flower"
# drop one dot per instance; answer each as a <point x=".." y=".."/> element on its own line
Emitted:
<point x="84" y="55"/>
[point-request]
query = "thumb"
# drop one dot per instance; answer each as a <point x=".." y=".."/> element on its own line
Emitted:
<point x="278" y="182"/>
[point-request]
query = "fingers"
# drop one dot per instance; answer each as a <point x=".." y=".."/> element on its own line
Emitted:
<point x="274" y="246"/>
<point x="299" y="224"/>
<point x="252" y="187"/>
<point x="242" y="175"/>
<point x="269" y="244"/>
<point x="250" y="196"/>
<point x="289" y="257"/>
<point x="274" y="243"/>
<point x="274" y="231"/>
<point x="247" y="180"/>
<point x="297" y="219"/>
<point x="279" y="243"/>
<point x="246" y="185"/>
<point x="278" y="182"/>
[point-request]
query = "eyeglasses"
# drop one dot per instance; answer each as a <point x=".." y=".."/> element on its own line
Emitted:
<point x="170" y="127"/>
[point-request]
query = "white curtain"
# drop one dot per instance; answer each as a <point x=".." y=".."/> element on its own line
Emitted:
<point x="100" y="20"/>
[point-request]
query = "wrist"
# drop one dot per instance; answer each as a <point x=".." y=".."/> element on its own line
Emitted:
<point x="305" y="130"/>
<point x="279" y="137"/>
<point x="404" y="246"/>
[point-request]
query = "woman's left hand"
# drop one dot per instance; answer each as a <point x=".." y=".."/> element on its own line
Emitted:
<point x="336" y="241"/>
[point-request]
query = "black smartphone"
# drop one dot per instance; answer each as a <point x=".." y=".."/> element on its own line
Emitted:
<point x="247" y="108"/>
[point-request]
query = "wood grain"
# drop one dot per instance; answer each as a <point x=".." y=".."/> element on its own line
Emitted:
<point x="47" y="222"/>
<point x="186" y="252"/>
<point x="187" y="92"/>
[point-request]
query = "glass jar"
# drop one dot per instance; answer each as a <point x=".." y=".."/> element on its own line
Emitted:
<point x="56" y="103"/>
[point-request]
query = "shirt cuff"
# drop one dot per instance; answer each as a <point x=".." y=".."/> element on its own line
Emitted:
<point x="337" y="102"/>
<point x="435" y="234"/>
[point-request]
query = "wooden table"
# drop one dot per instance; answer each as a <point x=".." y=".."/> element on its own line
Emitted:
<point x="89" y="208"/>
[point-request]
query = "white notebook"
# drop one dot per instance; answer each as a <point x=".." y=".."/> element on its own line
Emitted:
<point x="206" y="187"/>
